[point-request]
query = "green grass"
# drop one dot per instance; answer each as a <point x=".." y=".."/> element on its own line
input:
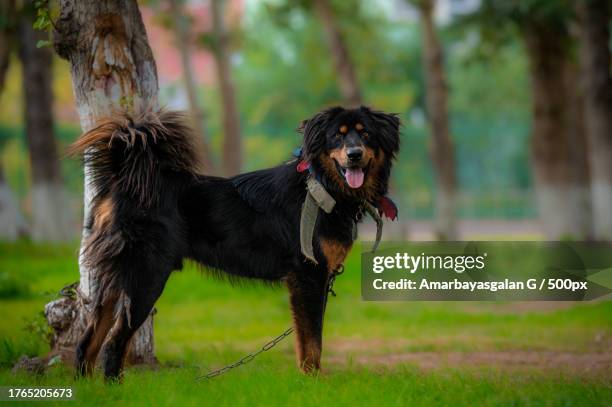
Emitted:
<point x="203" y="323"/>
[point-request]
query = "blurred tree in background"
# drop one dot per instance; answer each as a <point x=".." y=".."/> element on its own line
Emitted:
<point x="345" y="70"/>
<point x="442" y="150"/>
<point x="594" y="23"/>
<point x="558" y="149"/>
<point x="182" y="26"/>
<point x="231" y="160"/>
<point x="11" y="221"/>
<point x="51" y="215"/>
<point x="334" y="18"/>
<point x="512" y="73"/>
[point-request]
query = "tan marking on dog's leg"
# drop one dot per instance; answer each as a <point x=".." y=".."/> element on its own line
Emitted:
<point x="103" y="323"/>
<point x="307" y="346"/>
<point x="334" y="252"/>
<point x="307" y="323"/>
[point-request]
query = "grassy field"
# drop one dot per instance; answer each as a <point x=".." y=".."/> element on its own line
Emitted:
<point x="410" y="353"/>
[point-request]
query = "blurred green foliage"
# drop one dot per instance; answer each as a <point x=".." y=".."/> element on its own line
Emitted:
<point x="284" y="73"/>
<point x="13" y="287"/>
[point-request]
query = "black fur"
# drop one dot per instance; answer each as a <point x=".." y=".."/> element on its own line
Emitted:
<point x="152" y="210"/>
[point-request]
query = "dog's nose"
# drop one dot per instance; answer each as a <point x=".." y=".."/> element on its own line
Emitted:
<point x="354" y="153"/>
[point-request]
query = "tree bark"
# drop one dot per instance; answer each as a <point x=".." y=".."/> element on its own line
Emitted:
<point x="112" y="68"/>
<point x="594" y="17"/>
<point x="181" y="27"/>
<point x="345" y="70"/>
<point x="442" y="149"/>
<point x="11" y="221"/>
<point x="558" y="145"/>
<point x="7" y="30"/>
<point x="12" y="224"/>
<point x="232" y="144"/>
<point x="576" y="137"/>
<point x="50" y="212"/>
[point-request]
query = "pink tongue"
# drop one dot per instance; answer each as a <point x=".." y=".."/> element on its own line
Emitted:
<point x="354" y="177"/>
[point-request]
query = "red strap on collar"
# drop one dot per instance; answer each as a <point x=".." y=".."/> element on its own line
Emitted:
<point x="387" y="207"/>
<point x="303" y="165"/>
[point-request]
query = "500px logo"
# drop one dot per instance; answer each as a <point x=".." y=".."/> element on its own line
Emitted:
<point x="557" y="284"/>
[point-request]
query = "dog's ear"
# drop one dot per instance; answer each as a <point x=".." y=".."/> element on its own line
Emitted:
<point x="314" y="130"/>
<point x="388" y="130"/>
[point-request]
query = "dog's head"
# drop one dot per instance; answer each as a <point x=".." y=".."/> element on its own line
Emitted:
<point x="352" y="149"/>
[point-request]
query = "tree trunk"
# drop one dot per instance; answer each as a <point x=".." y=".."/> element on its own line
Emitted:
<point x="594" y="16"/>
<point x="442" y="149"/>
<point x="576" y="137"/>
<point x="232" y="144"/>
<point x="7" y="10"/>
<point x="112" y="68"/>
<point x="50" y="212"/>
<point x="345" y="70"/>
<point x="181" y="26"/>
<point x="11" y="222"/>
<point x="558" y="146"/>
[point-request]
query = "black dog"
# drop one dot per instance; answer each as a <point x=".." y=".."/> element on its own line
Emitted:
<point x="152" y="209"/>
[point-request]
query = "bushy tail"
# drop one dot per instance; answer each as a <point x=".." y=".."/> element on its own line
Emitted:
<point x="128" y="160"/>
<point x="127" y="154"/>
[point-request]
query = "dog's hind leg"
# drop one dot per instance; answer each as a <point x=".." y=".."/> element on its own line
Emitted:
<point x="91" y="341"/>
<point x="307" y="295"/>
<point x="136" y="307"/>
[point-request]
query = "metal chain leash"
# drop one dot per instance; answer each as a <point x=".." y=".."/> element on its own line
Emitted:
<point x="332" y="280"/>
<point x="246" y="359"/>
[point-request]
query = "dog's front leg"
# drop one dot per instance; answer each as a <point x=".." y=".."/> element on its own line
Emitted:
<point x="307" y="294"/>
